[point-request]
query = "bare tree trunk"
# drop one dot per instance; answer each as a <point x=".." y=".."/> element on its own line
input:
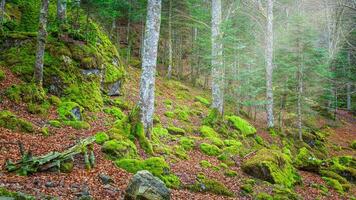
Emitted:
<point x="128" y="55"/>
<point x="269" y="64"/>
<point x="170" y="50"/>
<point x="61" y="10"/>
<point x="217" y="72"/>
<point x="2" y="11"/>
<point x="149" y="62"/>
<point x="41" y="43"/>
<point x="299" y="106"/>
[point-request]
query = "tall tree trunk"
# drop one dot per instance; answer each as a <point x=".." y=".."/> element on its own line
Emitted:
<point x="2" y="11"/>
<point x="149" y="62"/>
<point x="61" y="10"/>
<point x="41" y="43"/>
<point x="128" y="56"/>
<point x="269" y="64"/>
<point x="217" y="72"/>
<point x="300" y="93"/>
<point x="170" y="50"/>
<point x="348" y="94"/>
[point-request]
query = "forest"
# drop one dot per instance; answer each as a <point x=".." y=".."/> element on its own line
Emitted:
<point x="178" y="99"/>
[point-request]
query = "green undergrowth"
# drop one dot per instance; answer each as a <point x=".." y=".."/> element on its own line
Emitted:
<point x="6" y="194"/>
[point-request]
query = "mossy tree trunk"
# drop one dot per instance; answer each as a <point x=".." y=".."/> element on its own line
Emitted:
<point x="217" y="60"/>
<point x="61" y="10"/>
<point x="149" y="61"/>
<point x="41" y="43"/>
<point x="269" y="64"/>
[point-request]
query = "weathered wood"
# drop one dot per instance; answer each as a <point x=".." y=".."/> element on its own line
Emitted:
<point x="52" y="160"/>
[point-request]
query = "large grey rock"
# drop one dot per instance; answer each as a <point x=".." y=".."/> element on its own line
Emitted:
<point x="144" y="186"/>
<point x="89" y="72"/>
<point x="113" y="89"/>
<point x="77" y="114"/>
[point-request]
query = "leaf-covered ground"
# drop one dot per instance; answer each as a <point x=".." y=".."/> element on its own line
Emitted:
<point x="71" y="185"/>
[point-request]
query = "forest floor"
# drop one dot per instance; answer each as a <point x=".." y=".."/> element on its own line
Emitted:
<point x="69" y="186"/>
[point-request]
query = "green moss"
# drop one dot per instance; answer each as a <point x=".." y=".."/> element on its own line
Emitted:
<point x="55" y="123"/>
<point x="159" y="132"/>
<point x="116" y="149"/>
<point x="144" y="142"/>
<point x="259" y="140"/>
<point x="11" y="121"/>
<point x="223" y="165"/>
<point x="263" y="196"/>
<point x="283" y="193"/>
<point x="207" y="132"/>
<point x="182" y="114"/>
<point x="272" y="166"/>
<point x="130" y="165"/>
<point x="14" y="195"/>
<point x="124" y="105"/>
<point x="307" y="161"/>
<point x="45" y="132"/>
<point x="156" y="165"/>
<point x="168" y="103"/>
<point x="54" y="100"/>
<point x="242" y="125"/>
<point x="67" y="166"/>
<point x="205" y="164"/>
<point x="334" y="184"/>
<point x="230" y="173"/>
<point x="113" y="73"/>
<point x="353" y="144"/>
<point x="344" y="166"/>
<point x="212" y="118"/>
<point x="169" y="114"/>
<point x="2" y="75"/>
<point x="171" y="181"/>
<point x="86" y="94"/>
<point x="333" y="175"/>
<point x="232" y="143"/>
<point x="116" y="112"/>
<point x="65" y="110"/>
<point x="41" y="109"/>
<point x="204" y="184"/>
<point x="246" y="188"/>
<point x="202" y="100"/>
<point x="77" y="124"/>
<point x="187" y="143"/>
<point x="101" y="137"/>
<point x="123" y="128"/>
<point x="175" y="130"/>
<point x="210" y="149"/>
<point x="180" y="152"/>
<point x="26" y="92"/>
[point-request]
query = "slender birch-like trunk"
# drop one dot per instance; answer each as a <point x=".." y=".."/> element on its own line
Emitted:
<point x="41" y="43"/>
<point x="269" y="64"/>
<point x="61" y="10"/>
<point x="170" y="50"/>
<point x="149" y="61"/>
<point x="2" y="11"/>
<point x="217" y="62"/>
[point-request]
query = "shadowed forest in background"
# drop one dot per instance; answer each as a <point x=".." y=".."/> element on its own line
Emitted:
<point x="188" y="99"/>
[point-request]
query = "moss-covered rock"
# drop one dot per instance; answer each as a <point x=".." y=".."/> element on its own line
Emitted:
<point x="69" y="111"/>
<point x="242" y="125"/>
<point x="210" y="149"/>
<point x="272" y="166"/>
<point x="55" y="123"/>
<point x="187" y="143"/>
<point x="205" y="164"/>
<point x="116" y="149"/>
<point x="306" y="160"/>
<point x="263" y="196"/>
<point x="101" y="137"/>
<point x="344" y="166"/>
<point x="11" y="121"/>
<point x="207" y="132"/>
<point x="77" y="124"/>
<point x="116" y="112"/>
<point x="213" y="118"/>
<point x="204" y="184"/>
<point x="175" y="130"/>
<point x="334" y="184"/>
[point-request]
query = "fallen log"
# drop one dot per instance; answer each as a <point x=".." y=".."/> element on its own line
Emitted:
<point x="53" y="160"/>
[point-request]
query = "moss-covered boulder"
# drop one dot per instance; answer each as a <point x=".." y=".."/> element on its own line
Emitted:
<point x="242" y="125"/>
<point x="175" y="130"/>
<point x="204" y="184"/>
<point x="210" y="149"/>
<point x="70" y="111"/>
<point x="272" y="166"/>
<point x="101" y="137"/>
<point x="202" y="100"/>
<point x="117" y="149"/>
<point x="10" y="121"/>
<point x="306" y="160"/>
<point x="343" y="165"/>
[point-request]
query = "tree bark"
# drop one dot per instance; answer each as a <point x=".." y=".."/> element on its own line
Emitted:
<point x="217" y="62"/>
<point x="269" y="64"/>
<point x="2" y="11"/>
<point x="170" y="51"/>
<point x="149" y="61"/>
<point x="348" y="93"/>
<point x="61" y="10"/>
<point x="41" y="43"/>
